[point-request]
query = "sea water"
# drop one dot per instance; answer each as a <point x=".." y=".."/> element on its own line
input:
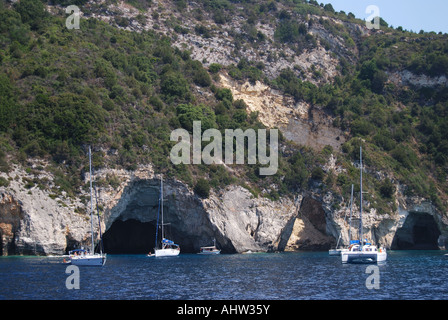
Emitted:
<point x="262" y="276"/>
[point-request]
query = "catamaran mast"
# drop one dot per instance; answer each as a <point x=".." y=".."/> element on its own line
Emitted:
<point x="360" y="205"/>
<point x="91" y="198"/>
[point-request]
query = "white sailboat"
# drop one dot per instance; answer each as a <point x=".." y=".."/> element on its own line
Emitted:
<point x="210" y="249"/>
<point x="82" y="257"/>
<point x="362" y="251"/>
<point x="337" y="251"/>
<point x="168" y="247"/>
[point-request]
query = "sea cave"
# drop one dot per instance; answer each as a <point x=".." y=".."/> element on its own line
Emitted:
<point x="419" y="232"/>
<point x="131" y="224"/>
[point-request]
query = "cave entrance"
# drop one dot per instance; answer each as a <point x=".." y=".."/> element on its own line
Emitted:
<point x="136" y="237"/>
<point x="131" y="224"/>
<point x="129" y="237"/>
<point x="419" y="232"/>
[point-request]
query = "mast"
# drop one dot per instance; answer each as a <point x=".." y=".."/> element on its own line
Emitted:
<point x="350" y="219"/>
<point x="157" y="225"/>
<point x="360" y="205"/>
<point x="91" y="198"/>
<point x="161" y="204"/>
<point x="99" y="219"/>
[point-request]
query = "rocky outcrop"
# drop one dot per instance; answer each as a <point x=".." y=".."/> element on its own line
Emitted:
<point x="298" y="121"/>
<point x="250" y="223"/>
<point x="408" y="78"/>
<point x="10" y="217"/>
<point x="33" y="222"/>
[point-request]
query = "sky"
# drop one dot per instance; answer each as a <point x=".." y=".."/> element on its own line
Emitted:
<point x="415" y="15"/>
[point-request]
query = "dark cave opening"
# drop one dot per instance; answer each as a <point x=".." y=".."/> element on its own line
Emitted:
<point x="132" y="228"/>
<point x="136" y="237"/>
<point x="129" y="237"/>
<point x="419" y="232"/>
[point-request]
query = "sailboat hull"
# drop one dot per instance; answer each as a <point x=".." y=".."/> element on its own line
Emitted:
<point x="363" y="257"/>
<point x="88" y="260"/>
<point x="168" y="252"/>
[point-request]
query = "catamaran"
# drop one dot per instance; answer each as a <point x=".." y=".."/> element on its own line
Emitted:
<point x="83" y="257"/>
<point x="168" y="247"/>
<point x="363" y="251"/>
<point x="337" y="251"/>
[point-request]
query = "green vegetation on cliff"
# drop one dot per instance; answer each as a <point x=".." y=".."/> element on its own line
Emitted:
<point x="124" y="92"/>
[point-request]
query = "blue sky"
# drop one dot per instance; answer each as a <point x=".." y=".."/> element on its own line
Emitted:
<point x="415" y="15"/>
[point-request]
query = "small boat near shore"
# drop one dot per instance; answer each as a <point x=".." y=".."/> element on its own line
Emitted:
<point x="210" y="250"/>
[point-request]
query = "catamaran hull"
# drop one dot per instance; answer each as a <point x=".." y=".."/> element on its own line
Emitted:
<point x="167" y="252"/>
<point x="98" y="261"/>
<point x="363" y="257"/>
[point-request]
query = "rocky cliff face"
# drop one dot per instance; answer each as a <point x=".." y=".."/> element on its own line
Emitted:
<point x="35" y="221"/>
<point x="298" y="121"/>
<point x="32" y="222"/>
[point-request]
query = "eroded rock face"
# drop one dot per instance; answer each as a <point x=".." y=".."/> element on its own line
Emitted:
<point x="10" y="217"/>
<point x="309" y="228"/>
<point x="233" y="217"/>
<point x="38" y="224"/>
<point x="32" y="222"/>
<point x="407" y="78"/>
<point x="249" y="223"/>
<point x="298" y="121"/>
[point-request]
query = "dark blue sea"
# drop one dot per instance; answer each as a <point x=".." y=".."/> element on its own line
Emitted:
<point x="407" y="275"/>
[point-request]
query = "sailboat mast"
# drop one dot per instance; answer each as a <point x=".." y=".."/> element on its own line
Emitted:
<point x="360" y="205"/>
<point x="161" y="204"/>
<point x="98" y="213"/>
<point x="91" y="198"/>
<point x="350" y="220"/>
